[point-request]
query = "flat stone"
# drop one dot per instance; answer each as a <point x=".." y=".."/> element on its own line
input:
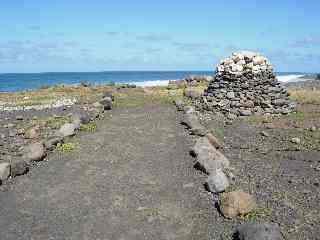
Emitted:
<point x="67" y="130"/>
<point x="259" y="231"/>
<point x="4" y="171"/>
<point x="245" y="112"/>
<point x="280" y="102"/>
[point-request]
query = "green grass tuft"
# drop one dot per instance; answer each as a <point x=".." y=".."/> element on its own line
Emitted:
<point x="89" y="127"/>
<point x="66" y="147"/>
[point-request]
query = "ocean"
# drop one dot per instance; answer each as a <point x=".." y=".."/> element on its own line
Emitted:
<point x="13" y="82"/>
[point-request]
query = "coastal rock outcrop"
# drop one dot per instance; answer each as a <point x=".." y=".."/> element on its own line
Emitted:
<point x="245" y="84"/>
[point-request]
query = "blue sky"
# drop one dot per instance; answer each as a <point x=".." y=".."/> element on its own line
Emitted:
<point x="97" y="35"/>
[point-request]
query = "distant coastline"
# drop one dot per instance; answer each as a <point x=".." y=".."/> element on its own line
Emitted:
<point x="12" y="82"/>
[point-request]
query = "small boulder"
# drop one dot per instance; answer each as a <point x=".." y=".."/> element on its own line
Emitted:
<point x="189" y="110"/>
<point x="4" y="171"/>
<point x="217" y="182"/>
<point x="259" y="231"/>
<point x="313" y="129"/>
<point x="19" y="117"/>
<point x="106" y="102"/>
<point x="67" y="130"/>
<point x="97" y="105"/>
<point x="208" y="157"/>
<point x="18" y="168"/>
<point x="35" y="152"/>
<point x="296" y="140"/>
<point x="32" y="133"/>
<point x="230" y="95"/>
<point x="82" y="117"/>
<point x="108" y="94"/>
<point x="236" y="203"/>
<point x="192" y="122"/>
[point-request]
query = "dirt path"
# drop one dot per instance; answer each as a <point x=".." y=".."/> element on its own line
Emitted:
<point x="131" y="179"/>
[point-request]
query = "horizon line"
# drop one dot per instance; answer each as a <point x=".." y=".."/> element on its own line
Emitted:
<point x="133" y="71"/>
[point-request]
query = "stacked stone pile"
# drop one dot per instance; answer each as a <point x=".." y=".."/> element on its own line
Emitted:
<point x="245" y="84"/>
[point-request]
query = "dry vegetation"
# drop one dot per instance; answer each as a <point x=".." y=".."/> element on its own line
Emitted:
<point x="305" y="96"/>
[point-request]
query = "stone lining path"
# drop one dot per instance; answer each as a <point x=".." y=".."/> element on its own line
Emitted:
<point x="131" y="179"/>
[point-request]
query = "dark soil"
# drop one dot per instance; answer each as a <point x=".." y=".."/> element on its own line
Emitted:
<point x="131" y="179"/>
<point x="283" y="176"/>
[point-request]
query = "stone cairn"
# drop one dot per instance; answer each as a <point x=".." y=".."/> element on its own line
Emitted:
<point x="245" y="84"/>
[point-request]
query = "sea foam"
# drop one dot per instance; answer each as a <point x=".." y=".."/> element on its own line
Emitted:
<point x="290" y="78"/>
<point x="151" y="83"/>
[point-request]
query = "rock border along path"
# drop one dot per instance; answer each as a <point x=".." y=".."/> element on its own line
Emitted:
<point x="212" y="162"/>
<point x="38" y="149"/>
<point x="132" y="179"/>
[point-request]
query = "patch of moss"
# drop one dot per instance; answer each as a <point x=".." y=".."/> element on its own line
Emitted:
<point x="66" y="147"/>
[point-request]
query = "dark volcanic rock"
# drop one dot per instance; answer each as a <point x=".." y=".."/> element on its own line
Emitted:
<point x="106" y="102"/>
<point x="108" y="94"/>
<point x="255" y="231"/>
